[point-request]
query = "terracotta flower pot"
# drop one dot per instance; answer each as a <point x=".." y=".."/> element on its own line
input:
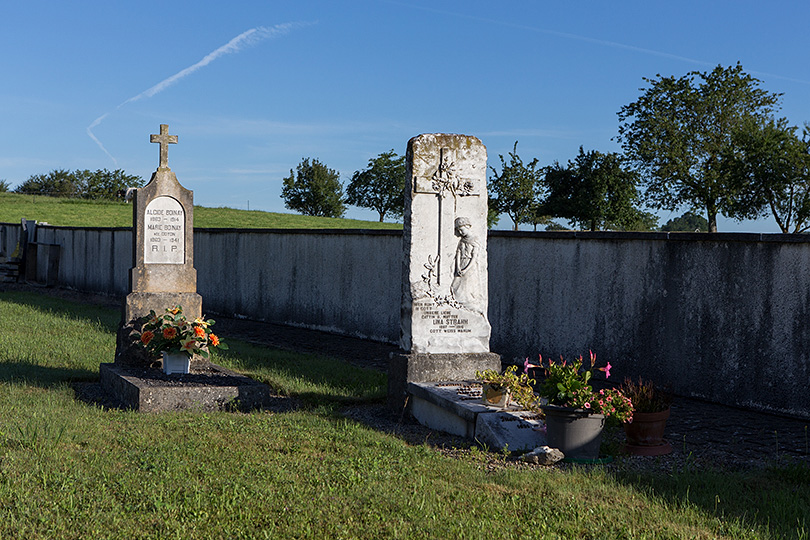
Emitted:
<point x="645" y="434"/>
<point x="495" y="396"/>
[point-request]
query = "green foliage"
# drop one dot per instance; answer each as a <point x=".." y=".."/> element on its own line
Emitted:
<point x="689" y="222"/>
<point x="85" y="184"/>
<point x="646" y="396"/>
<point x="771" y="164"/>
<point x="172" y="332"/>
<point x="676" y="133"/>
<point x="4" y="186"/>
<point x="314" y="190"/>
<point x="517" y="188"/>
<point x="594" y="191"/>
<point x="520" y="386"/>
<point x="381" y="186"/>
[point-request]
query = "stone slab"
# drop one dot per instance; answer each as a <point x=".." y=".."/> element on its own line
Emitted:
<point x="405" y="368"/>
<point x="456" y="408"/>
<point x="207" y="388"/>
<point x="517" y="431"/>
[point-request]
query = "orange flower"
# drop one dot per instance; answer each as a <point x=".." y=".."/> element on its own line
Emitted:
<point x="199" y="332"/>
<point x="214" y="340"/>
<point x="169" y="332"/>
<point x="147" y="336"/>
<point x="175" y="310"/>
<point x="188" y="345"/>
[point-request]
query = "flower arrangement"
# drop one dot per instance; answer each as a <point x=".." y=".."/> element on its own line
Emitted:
<point x="646" y="396"/>
<point x="172" y="332"/>
<point x="567" y="384"/>
<point x="520" y="386"/>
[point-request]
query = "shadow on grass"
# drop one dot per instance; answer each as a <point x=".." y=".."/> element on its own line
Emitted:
<point x="776" y="498"/>
<point x="42" y="376"/>
<point x="108" y="318"/>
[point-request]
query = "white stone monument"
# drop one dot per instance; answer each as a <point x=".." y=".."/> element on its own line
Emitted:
<point x="444" y="327"/>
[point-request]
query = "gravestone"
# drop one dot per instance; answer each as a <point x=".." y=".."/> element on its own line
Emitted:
<point x="444" y="334"/>
<point x="163" y="253"/>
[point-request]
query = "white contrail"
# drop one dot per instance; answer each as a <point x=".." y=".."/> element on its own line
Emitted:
<point x="245" y="39"/>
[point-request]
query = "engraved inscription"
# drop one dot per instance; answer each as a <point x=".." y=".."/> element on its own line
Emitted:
<point x="164" y="232"/>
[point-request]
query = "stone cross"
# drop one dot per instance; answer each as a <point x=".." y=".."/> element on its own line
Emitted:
<point x="165" y="140"/>
<point x="441" y="183"/>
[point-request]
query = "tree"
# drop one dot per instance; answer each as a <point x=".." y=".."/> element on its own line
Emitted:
<point x="690" y="222"/>
<point x="314" y="190"/>
<point x="100" y="184"/>
<point x="772" y="165"/>
<point x="594" y="191"/>
<point x="4" y="185"/>
<point x="676" y="133"/>
<point x="381" y="186"/>
<point x="103" y="184"/>
<point x="516" y="188"/>
<point x="57" y="183"/>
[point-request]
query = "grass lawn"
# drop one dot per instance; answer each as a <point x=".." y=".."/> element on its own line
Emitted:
<point x="86" y="213"/>
<point x="73" y="470"/>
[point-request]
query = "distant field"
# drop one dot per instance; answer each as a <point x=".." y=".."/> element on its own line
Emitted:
<point x="85" y="213"/>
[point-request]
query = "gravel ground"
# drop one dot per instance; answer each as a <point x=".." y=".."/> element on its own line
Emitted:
<point x="702" y="434"/>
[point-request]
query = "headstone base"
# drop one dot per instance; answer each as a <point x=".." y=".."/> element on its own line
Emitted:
<point x="139" y="303"/>
<point x="457" y="408"/>
<point x="404" y="368"/>
<point x="208" y="388"/>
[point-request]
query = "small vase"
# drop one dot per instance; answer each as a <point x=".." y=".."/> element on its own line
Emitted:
<point x="645" y="434"/>
<point x="575" y="432"/>
<point x="175" y="362"/>
<point x="495" y="396"/>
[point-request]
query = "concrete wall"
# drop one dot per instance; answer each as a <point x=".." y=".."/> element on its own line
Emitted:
<point x="718" y="316"/>
<point x="723" y="316"/>
<point x="341" y="281"/>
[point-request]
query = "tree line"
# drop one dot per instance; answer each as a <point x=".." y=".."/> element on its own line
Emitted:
<point x="707" y="142"/>
<point x="79" y="184"/>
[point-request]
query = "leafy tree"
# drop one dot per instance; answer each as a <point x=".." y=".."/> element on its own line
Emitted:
<point x="516" y="188"/>
<point x="103" y="184"/>
<point x="4" y="186"/>
<point x="772" y="164"/>
<point x="688" y="222"/>
<point x="57" y="183"/>
<point x="594" y="191"/>
<point x="100" y="184"/>
<point x="314" y="190"/>
<point x="676" y="133"/>
<point x="381" y="186"/>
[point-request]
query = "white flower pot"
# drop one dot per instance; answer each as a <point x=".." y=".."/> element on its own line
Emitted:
<point x="175" y="362"/>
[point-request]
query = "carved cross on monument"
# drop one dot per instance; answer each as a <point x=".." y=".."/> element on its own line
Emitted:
<point x="441" y="183"/>
<point x="165" y="140"/>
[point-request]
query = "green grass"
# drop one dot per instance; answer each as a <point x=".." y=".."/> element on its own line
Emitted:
<point x="73" y="470"/>
<point x="85" y="213"/>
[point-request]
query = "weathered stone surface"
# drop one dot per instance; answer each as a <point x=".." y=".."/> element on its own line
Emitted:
<point x="405" y="368"/>
<point x="163" y="253"/>
<point x="207" y="388"/>
<point x="515" y="430"/>
<point x="543" y="455"/>
<point x="444" y="295"/>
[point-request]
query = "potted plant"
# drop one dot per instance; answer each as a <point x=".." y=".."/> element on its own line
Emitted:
<point x="177" y="338"/>
<point x="575" y="412"/>
<point x="497" y="389"/>
<point x="645" y="433"/>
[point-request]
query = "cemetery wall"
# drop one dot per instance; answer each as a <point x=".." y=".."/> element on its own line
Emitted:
<point x="720" y="316"/>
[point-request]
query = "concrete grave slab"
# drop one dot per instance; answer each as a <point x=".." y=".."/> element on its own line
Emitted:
<point x="206" y="388"/>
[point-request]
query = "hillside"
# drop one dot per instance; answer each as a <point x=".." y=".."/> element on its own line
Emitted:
<point x="86" y="213"/>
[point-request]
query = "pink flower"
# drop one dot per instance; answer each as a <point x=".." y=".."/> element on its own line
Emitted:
<point x="606" y="369"/>
<point x="593" y="357"/>
<point x="587" y="405"/>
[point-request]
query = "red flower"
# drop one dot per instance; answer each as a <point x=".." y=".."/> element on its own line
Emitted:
<point x="214" y="340"/>
<point x="199" y="332"/>
<point x="147" y="336"/>
<point x="169" y="333"/>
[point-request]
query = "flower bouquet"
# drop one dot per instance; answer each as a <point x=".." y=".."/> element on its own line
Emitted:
<point x="172" y="333"/>
<point x="509" y="384"/>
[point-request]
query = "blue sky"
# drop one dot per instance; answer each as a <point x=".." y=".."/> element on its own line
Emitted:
<point x="252" y="87"/>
